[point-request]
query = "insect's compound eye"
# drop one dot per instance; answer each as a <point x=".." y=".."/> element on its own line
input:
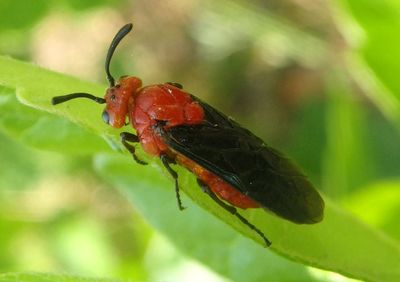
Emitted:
<point x="106" y="117"/>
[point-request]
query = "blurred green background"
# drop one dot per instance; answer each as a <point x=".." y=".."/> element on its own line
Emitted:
<point x="317" y="80"/>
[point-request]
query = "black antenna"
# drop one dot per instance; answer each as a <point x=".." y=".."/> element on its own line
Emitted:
<point x="118" y="37"/>
<point x="61" y="99"/>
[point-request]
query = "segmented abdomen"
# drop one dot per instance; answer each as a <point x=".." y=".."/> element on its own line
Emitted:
<point x="222" y="189"/>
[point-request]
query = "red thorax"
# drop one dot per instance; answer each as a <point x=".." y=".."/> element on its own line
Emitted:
<point x="145" y="106"/>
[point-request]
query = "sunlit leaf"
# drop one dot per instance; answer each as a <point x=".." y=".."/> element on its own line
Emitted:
<point x="379" y="205"/>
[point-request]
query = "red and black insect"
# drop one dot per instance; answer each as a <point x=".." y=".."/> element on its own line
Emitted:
<point x="232" y="165"/>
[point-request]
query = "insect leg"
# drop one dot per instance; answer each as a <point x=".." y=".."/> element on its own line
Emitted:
<point x="130" y="137"/>
<point x="232" y="210"/>
<point x="166" y="161"/>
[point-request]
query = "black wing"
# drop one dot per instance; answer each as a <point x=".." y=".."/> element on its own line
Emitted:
<point x="243" y="160"/>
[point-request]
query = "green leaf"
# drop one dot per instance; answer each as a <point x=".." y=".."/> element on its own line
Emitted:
<point x="37" y="128"/>
<point x="340" y="243"/>
<point x="381" y="23"/>
<point x="373" y="29"/>
<point x="14" y="159"/>
<point x="195" y="231"/>
<point x="44" y="277"/>
<point x="384" y="196"/>
<point x="21" y="14"/>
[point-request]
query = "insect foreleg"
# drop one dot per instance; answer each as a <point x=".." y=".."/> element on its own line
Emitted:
<point x="130" y="137"/>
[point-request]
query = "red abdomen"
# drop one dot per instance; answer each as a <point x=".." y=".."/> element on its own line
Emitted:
<point x="217" y="185"/>
<point x="168" y="103"/>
